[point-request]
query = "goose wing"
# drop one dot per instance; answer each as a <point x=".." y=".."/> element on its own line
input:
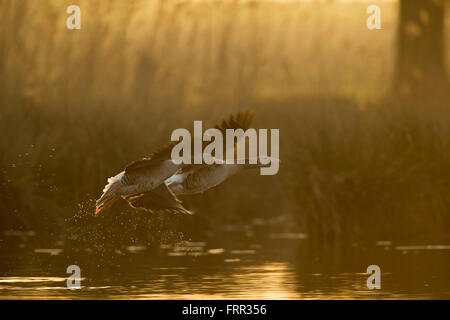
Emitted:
<point x="159" y="200"/>
<point x="241" y="120"/>
<point x="154" y="159"/>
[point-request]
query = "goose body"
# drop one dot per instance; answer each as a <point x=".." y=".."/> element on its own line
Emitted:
<point x="147" y="179"/>
<point x="201" y="178"/>
<point x="196" y="179"/>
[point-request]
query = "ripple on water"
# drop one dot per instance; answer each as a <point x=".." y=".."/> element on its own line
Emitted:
<point x="423" y="247"/>
<point x="288" y="235"/>
<point x="52" y="252"/>
<point x="30" y="279"/>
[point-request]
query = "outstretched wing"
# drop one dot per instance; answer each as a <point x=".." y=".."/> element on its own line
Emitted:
<point x="155" y="158"/>
<point x="240" y="120"/>
<point x="159" y="200"/>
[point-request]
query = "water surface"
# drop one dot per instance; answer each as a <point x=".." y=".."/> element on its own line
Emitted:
<point x="235" y="263"/>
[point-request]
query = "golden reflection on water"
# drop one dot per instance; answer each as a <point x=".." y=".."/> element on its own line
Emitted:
<point x="277" y="266"/>
<point x="269" y="281"/>
<point x="30" y="279"/>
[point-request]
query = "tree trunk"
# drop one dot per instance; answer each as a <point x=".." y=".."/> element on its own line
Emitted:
<point x="420" y="59"/>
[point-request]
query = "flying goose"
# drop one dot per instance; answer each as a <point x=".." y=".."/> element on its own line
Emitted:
<point x="142" y="183"/>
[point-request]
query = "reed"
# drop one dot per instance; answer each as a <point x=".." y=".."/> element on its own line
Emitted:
<point x="76" y="106"/>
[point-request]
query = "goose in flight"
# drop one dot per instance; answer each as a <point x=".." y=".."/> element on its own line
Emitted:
<point x="142" y="183"/>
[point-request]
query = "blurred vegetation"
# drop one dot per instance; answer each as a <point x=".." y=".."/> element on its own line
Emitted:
<point x="78" y="105"/>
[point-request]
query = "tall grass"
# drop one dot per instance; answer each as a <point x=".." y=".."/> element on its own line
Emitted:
<point x="78" y="105"/>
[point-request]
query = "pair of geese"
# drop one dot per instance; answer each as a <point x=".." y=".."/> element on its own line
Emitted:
<point x="153" y="183"/>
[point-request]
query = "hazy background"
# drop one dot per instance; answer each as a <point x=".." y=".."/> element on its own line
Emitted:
<point x="365" y="153"/>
